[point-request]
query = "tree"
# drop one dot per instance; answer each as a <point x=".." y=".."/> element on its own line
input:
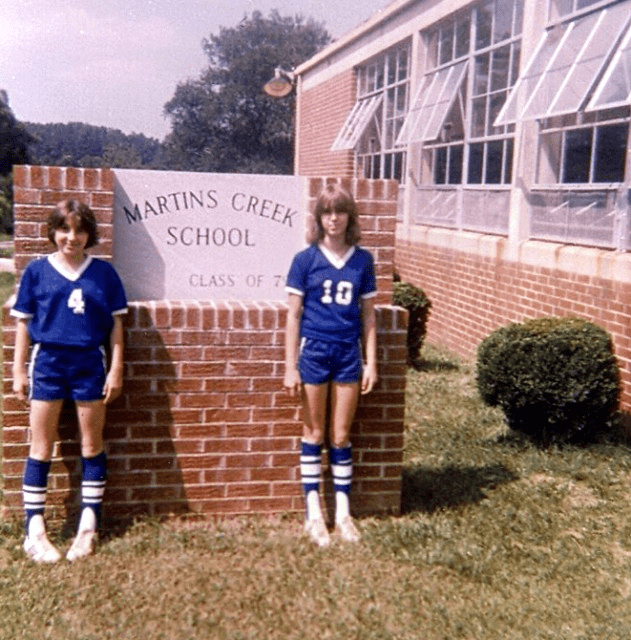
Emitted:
<point x="222" y="121"/>
<point x="14" y="149"/>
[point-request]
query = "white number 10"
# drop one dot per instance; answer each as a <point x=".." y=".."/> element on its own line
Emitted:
<point x="343" y="294"/>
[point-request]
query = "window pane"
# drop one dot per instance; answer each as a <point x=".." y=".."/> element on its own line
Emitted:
<point x="463" y="35"/>
<point x="432" y="49"/>
<point x="440" y="166"/>
<point x="481" y="74"/>
<point x="611" y="150"/>
<point x="497" y="102"/>
<point x="478" y="117"/>
<point x="615" y="87"/>
<point x="503" y="27"/>
<point x="455" y="164"/>
<point x="508" y="162"/>
<point x="398" y="167"/>
<point x="403" y="65"/>
<point x="391" y="61"/>
<point x="499" y="74"/>
<point x="577" y="156"/>
<point x="476" y="159"/>
<point x="483" y="25"/>
<point x="446" y="43"/>
<point x="494" y="158"/>
<point x="387" y="166"/>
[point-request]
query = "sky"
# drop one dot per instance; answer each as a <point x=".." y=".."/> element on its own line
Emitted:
<point x="115" y="63"/>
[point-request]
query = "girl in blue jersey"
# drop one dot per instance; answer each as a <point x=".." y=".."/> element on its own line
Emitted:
<point x="68" y="306"/>
<point x="331" y="286"/>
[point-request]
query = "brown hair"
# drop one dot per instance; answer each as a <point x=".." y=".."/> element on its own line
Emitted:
<point x="335" y="197"/>
<point x="85" y="215"/>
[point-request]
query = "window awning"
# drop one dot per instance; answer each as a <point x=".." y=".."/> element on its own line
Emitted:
<point x="567" y="64"/>
<point x="614" y="90"/>
<point x="434" y="98"/>
<point x="356" y="122"/>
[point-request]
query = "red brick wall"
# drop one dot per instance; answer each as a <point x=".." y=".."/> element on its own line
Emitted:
<point x="473" y="295"/>
<point x="319" y="122"/>
<point x="204" y="425"/>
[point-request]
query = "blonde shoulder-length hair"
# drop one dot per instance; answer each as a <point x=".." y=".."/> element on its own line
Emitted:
<point x="335" y="197"/>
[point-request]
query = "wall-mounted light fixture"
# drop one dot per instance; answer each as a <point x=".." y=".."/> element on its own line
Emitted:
<point x="281" y="84"/>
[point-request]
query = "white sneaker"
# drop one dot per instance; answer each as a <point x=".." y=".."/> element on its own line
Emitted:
<point x="82" y="545"/>
<point x="347" y="530"/>
<point x="40" y="549"/>
<point x="318" y="532"/>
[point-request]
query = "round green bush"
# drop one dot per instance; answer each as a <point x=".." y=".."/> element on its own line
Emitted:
<point x="557" y="380"/>
<point x="413" y="299"/>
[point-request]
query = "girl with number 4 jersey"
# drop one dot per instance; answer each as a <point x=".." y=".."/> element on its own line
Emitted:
<point x="331" y="287"/>
<point x="69" y="306"/>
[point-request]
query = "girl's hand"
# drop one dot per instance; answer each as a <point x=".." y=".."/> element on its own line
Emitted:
<point x="292" y="382"/>
<point x="113" y="386"/>
<point x="369" y="379"/>
<point x="20" y="386"/>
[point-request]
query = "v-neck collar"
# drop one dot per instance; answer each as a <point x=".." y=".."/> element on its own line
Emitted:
<point x="338" y="263"/>
<point x="73" y="276"/>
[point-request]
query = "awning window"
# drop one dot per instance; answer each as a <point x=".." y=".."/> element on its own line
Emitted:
<point x="434" y="99"/>
<point x="614" y="90"/>
<point x="356" y="122"/>
<point x="566" y="65"/>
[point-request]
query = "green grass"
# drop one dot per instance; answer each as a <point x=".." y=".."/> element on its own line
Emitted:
<point x="498" y="539"/>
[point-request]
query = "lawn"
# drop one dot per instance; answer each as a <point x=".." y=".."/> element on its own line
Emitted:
<point x="498" y="539"/>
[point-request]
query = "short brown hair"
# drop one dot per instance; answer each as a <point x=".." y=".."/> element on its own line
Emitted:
<point x="65" y="208"/>
<point x="336" y="197"/>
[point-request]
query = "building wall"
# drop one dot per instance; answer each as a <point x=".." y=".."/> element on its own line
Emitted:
<point x="318" y="124"/>
<point x="477" y="284"/>
<point x="204" y="425"/>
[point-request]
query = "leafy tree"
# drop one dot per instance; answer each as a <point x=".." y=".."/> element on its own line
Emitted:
<point x="82" y="145"/>
<point x="14" y="149"/>
<point x="222" y="121"/>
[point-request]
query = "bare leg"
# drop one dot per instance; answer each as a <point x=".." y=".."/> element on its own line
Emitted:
<point x="44" y="419"/>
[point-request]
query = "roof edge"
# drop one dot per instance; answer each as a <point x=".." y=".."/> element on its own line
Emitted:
<point x="354" y="34"/>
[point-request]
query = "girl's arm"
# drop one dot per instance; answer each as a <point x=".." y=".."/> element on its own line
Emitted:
<point x="20" y="372"/>
<point x="369" y="330"/>
<point x="114" y="380"/>
<point x="292" y="338"/>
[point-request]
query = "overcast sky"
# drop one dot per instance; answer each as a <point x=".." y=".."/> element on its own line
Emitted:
<point x="115" y="63"/>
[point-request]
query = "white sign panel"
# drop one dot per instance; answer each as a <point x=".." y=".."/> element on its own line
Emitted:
<point x="201" y="236"/>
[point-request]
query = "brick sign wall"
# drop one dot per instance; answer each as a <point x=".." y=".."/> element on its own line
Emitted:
<point x="204" y="425"/>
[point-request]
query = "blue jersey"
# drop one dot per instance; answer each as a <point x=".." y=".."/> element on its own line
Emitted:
<point x="332" y="290"/>
<point x="70" y="309"/>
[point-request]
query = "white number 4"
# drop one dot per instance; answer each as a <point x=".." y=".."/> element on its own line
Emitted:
<point x="76" y="301"/>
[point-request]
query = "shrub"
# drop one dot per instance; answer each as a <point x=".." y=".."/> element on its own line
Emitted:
<point x="413" y="299"/>
<point x="556" y="379"/>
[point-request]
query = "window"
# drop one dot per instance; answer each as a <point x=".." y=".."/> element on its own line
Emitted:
<point x="375" y="121"/>
<point x="566" y="65"/>
<point x="473" y="59"/>
<point x="578" y="86"/>
<point x="584" y="149"/>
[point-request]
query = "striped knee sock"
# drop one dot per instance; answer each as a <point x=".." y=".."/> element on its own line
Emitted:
<point x="92" y="489"/>
<point x="34" y="489"/>
<point x="310" y="473"/>
<point x="342" y="471"/>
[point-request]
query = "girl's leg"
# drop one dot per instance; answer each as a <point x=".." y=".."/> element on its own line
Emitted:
<point x="314" y="408"/>
<point x="44" y="418"/>
<point x="91" y="417"/>
<point x="344" y="398"/>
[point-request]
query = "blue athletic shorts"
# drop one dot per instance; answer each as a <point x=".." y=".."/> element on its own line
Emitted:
<point x="59" y="373"/>
<point x="321" y="362"/>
